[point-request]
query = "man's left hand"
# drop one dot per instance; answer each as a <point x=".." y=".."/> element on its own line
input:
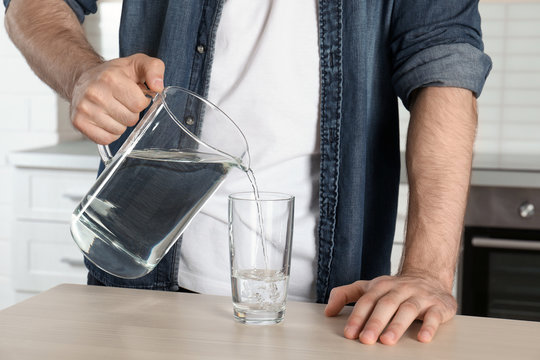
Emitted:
<point x="386" y="306"/>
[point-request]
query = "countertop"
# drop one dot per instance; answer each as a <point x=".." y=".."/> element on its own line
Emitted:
<point x="488" y="169"/>
<point x="89" y="322"/>
<point x="510" y="170"/>
<point x="75" y="155"/>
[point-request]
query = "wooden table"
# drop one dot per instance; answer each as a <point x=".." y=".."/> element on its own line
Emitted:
<point x="86" y="322"/>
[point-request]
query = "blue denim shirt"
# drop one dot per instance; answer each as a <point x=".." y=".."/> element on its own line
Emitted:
<point x="371" y="51"/>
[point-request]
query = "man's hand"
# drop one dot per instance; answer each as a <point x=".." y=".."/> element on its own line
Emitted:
<point x="105" y="97"/>
<point x="439" y="156"/>
<point x="386" y="306"/>
<point x="109" y="97"/>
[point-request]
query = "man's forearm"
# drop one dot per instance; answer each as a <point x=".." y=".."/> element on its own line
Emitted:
<point x="439" y="155"/>
<point x="52" y="40"/>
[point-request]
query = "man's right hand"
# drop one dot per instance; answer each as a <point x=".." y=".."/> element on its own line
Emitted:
<point x="105" y="97"/>
<point x="108" y="98"/>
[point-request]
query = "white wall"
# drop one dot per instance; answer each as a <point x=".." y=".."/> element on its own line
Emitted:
<point x="102" y="28"/>
<point x="509" y="107"/>
<point x="32" y="115"/>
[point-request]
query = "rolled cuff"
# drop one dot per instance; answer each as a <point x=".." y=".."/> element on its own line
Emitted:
<point x="81" y="8"/>
<point x="450" y="65"/>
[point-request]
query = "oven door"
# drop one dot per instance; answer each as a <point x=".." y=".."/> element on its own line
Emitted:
<point x="500" y="274"/>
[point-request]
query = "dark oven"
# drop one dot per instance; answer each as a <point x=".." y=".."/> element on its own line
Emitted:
<point x="500" y="268"/>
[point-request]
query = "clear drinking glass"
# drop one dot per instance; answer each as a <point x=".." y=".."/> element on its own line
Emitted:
<point x="260" y="239"/>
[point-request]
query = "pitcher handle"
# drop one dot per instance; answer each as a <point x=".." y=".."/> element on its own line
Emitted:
<point x="104" y="151"/>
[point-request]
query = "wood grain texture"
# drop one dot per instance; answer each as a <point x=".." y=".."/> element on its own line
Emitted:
<point x="85" y="322"/>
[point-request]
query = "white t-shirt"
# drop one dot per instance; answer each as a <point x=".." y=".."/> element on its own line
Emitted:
<point x="265" y="76"/>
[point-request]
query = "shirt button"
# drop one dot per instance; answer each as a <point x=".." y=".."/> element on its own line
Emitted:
<point x="174" y="288"/>
<point x="189" y="120"/>
<point x="201" y="49"/>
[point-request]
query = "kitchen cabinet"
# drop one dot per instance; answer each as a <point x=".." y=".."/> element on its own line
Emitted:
<point x="48" y="184"/>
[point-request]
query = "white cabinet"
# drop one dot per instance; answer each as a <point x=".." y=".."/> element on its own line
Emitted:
<point x="48" y="184"/>
<point x="44" y="255"/>
<point x="49" y="194"/>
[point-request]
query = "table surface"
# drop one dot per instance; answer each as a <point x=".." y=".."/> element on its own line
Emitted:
<point x="87" y="322"/>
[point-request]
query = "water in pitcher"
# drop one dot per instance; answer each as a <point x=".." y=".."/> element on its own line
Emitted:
<point x="154" y="191"/>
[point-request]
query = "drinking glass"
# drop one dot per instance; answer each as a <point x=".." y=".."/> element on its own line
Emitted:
<point x="260" y="239"/>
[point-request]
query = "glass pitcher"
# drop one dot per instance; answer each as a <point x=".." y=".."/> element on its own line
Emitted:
<point x="173" y="161"/>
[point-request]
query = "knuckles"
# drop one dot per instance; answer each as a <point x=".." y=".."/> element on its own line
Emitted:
<point x="157" y="64"/>
<point x="82" y="109"/>
<point x="77" y="122"/>
<point x="367" y="300"/>
<point x="93" y="94"/>
<point x="141" y="103"/>
<point x="131" y="120"/>
<point x="107" y="77"/>
<point x="411" y="305"/>
<point x="105" y="138"/>
<point x="388" y="302"/>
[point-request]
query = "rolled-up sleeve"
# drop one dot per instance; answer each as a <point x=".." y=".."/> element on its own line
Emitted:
<point x="437" y="43"/>
<point x="81" y="8"/>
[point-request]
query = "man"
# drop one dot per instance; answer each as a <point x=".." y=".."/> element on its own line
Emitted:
<point x="429" y="53"/>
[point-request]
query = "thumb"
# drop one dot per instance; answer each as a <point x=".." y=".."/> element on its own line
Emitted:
<point x="148" y="70"/>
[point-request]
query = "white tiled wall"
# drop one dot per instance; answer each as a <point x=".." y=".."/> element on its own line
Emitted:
<point x="102" y="28"/>
<point x="510" y="113"/>
<point x="21" y="92"/>
<point x="509" y="107"/>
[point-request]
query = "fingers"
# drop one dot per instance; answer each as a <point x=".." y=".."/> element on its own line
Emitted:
<point x="109" y="98"/>
<point x="149" y="70"/>
<point x="382" y="313"/>
<point x="387" y="306"/>
<point x="408" y="312"/>
<point x="372" y="292"/>
<point x="343" y="295"/>
<point x="374" y="311"/>
<point x="432" y="319"/>
<point x="114" y="121"/>
<point x="130" y="95"/>
<point x="97" y="134"/>
<point x="99" y="110"/>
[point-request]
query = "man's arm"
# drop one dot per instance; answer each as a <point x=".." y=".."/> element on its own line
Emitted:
<point x="439" y="154"/>
<point x="105" y="96"/>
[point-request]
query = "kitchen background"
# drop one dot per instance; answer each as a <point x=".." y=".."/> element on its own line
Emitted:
<point x="33" y="117"/>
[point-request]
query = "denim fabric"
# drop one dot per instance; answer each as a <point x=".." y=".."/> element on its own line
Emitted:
<point x="91" y="280"/>
<point x="371" y="52"/>
<point x="82" y="7"/>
